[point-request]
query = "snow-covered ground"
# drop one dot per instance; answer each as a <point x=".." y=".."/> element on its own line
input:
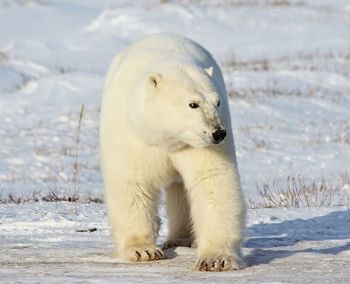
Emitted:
<point x="287" y="68"/>
<point x="41" y="243"/>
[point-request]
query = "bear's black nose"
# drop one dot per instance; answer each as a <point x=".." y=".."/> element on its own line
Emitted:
<point x="219" y="135"/>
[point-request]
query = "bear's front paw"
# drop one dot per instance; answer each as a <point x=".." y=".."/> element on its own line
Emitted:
<point x="144" y="253"/>
<point x="219" y="263"/>
<point x="182" y="242"/>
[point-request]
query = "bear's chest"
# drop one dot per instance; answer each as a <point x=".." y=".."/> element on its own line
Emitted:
<point x="154" y="167"/>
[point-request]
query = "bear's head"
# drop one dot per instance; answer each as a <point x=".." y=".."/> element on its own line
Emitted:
<point x="178" y="106"/>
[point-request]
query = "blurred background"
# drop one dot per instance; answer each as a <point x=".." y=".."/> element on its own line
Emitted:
<point x="286" y="65"/>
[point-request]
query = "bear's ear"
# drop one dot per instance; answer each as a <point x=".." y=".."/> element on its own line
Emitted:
<point x="153" y="79"/>
<point x="209" y="71"/>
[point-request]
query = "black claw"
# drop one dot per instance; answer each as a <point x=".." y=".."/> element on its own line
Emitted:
<point x="138" y="255"/>
<point x="149" y="255"/>
<point x="223" y="263"/>
<point x="212" y="265"/>
<point x="159" y="254"/>
<point x="156" y="255"/>
<point x="203" y="265"/>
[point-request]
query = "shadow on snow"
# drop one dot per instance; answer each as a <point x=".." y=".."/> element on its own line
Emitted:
<point x="269" y="241"/>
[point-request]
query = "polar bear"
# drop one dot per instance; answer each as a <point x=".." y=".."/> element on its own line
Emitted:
<point x="165" y="123"/>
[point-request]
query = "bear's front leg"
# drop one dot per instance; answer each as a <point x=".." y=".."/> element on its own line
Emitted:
<point x="132" y="211"/>
<point x="217" y="207"/>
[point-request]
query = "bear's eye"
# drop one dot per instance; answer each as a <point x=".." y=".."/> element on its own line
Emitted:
<point x="218" y="104"/>
<point x="194" y="105"/>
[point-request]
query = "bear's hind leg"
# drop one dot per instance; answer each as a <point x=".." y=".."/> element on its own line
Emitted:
<point x="179" y="221"/>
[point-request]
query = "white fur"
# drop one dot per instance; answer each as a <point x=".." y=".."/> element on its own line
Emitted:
<point x="151" y="138"/>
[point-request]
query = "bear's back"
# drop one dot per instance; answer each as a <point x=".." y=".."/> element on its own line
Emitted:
<point x="164" y="48"/>
<point x="170" y="45"/>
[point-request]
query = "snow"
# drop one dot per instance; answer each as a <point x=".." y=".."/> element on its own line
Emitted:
<point x="287" y="69"/>
<point x="40" y="242"/>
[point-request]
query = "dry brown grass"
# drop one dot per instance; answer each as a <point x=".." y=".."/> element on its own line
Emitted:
<point x="51" y="196"/>
<point x="296" y="192"/>
<point x="307" y="61"/>
<point x="75" y="179"/>
<point x="313" y="61"/>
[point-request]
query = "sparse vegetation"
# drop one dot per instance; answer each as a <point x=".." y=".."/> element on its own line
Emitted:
<point x="310" y="61"/>
<point x="50" y="196"/>
<point x="288" y="67"/>
<point x="75" y="164"/>
<point x="297" y="192"/>
<point x="294" y="192"/>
